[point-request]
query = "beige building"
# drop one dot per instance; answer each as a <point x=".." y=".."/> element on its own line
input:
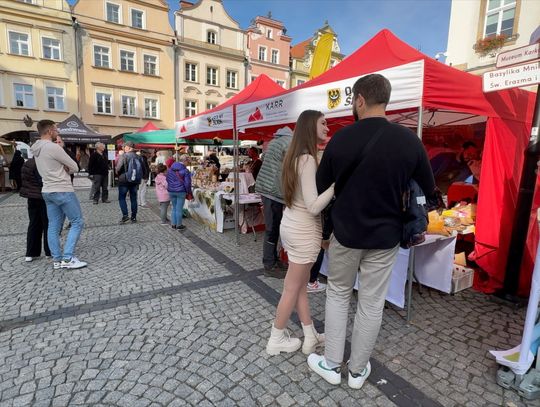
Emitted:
<point x="126" y="67"/>
<point x="302" y="56"/>
<point x="471" y="21"/>
<point x="211" y="56"/>
<point x="38" y="79"/>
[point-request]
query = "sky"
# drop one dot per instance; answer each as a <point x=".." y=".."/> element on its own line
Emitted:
<point x="423" y="24"/>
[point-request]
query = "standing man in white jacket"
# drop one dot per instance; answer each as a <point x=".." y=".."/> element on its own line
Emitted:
<point x="55" y="166"/>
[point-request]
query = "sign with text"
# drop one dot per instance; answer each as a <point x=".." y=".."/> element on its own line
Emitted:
<point x="513" y="77"/>
<point x="518" y="55"/>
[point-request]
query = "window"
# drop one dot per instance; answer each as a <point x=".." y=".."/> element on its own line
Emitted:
<point x="27" y="1"/>
<point x="275" y="56"/>
<point x="191" y="108"/>
<point x="113" y="13"/>
<point x="127" y="61"/>
<point x="137" y="18"/>
<point x="269" y="34"/>
<point x="210" y="105"/>
<point x="101" y="56"/>
<point x="128" y="105"/>
<point x="24" y="95"/>
<point x="280" y="83"/>
<point x="299" y="82"/>
<point x="55" y="98"/>
<point x="500" y="16"/>
<point x="232" y="79"/>
<point x="211" y="37"/>
<point x="103" y="103"/>
<point x="211" y="76"/>
<point x="151" y="108"/>
<point x="18" y="43"/>
<point x="253" y="78"/>
<point x="262" y="53"/>
<point x="150" y="65"/>
<point x="191" y="72"/>
<point x="51" y="48"/>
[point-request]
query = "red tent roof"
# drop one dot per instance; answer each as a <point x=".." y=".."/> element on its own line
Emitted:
<point x="147" y="127"/>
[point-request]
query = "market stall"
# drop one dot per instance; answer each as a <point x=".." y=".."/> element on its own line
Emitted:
<point x="431" y="94"/>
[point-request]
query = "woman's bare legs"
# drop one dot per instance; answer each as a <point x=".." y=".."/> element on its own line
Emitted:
<point x="294" y="295"/>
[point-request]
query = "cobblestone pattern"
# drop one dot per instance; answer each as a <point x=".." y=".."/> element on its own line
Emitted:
<point x="192" y="330"/>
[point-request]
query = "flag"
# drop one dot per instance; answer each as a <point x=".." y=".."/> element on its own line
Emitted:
<point x="322" y="54"/>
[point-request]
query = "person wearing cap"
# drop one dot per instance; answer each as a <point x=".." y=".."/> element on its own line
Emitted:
<point x="268" y="184"/>
<point x="124" y="186"/>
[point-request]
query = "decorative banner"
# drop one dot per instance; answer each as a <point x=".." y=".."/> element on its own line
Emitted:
<point x="334" y="99"/>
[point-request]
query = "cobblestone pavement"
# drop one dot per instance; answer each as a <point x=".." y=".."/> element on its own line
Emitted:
<point x="167" y="318"/>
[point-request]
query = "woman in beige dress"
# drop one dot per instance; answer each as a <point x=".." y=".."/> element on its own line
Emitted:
<point x="300" y="232"/>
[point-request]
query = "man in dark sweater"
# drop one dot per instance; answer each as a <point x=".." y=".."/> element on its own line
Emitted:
<point x="367" y="219"/>
<point x="98" y="169"/>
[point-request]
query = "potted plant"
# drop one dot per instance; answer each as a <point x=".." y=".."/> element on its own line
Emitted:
<point x="490" y="45"/>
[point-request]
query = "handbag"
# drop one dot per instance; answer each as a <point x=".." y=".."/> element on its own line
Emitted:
<point x="342" y="181"/>
<point x="189" y="195"/>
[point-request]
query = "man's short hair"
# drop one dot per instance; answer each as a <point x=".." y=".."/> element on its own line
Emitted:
<point x="374" y="88"/>
<point x="44" y="125"/>
<point x="468" y="144"/>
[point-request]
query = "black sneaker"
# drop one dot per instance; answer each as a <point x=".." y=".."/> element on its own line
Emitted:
<point x="133" y="220"/>
<point x="181" y="227"/>
<point x="96" y="202"/>
<point x="124" y="219"/>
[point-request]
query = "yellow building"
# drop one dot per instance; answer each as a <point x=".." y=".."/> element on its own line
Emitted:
<point x="126" y="67"/>
<point x="302" y="56"/>
<point x="38" y="79"/>
<point x="212" y="60"/>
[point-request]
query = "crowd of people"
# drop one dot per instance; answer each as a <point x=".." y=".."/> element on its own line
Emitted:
<point x="358" y="183"/>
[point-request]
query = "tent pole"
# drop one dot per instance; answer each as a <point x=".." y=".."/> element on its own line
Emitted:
<point x="236" y="171"/>
<point x="420" y="122"/>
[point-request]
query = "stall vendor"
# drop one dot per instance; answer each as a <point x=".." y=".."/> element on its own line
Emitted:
<point x="254" y="165"/>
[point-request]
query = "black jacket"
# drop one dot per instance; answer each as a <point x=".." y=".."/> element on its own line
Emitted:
<point x="31" y="180"/>
<point x="98" y="164"/>
<point x="368" y="211"/>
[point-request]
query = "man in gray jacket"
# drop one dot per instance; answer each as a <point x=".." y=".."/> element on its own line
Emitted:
<point x="55" y="166"/>
<point x="269" y="186"/>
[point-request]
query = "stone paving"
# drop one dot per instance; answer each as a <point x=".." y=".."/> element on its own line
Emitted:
<point x="167" y="318"/>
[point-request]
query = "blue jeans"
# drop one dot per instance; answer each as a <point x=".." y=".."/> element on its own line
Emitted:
<point x="59" y="206"/>
<point x="122" y="192"/>
<point x="177" y="199"/>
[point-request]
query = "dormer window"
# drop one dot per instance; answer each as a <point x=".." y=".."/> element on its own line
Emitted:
<point x="211" y="37"/>
<point x="269" y="34"/>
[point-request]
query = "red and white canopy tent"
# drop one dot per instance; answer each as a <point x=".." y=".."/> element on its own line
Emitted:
<point x="428" y="92"/>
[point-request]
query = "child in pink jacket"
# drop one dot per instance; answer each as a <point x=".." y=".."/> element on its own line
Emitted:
<point x="161" y="193"/>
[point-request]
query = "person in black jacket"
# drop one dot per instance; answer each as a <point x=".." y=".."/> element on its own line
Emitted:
<point x="98" y="169"/>
<point x="367" y="216"/>
<point x="15" y="170"/>
<point x="37" y="211"/>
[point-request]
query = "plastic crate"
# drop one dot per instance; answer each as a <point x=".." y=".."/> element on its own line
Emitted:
<point x="462" y="278"/>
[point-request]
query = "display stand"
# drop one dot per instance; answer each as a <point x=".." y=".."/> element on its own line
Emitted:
<point x="516" y="372"/>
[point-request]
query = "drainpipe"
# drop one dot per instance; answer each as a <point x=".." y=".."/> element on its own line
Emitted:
<point x="76" y="27"/>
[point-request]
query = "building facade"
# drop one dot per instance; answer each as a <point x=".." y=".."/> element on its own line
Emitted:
<point x="211" y="56"/>
<point x="125" y="64"/>
<point x="473" y="21"/>
<point x="38" y="79"/>
<point x="302" y="56"/>
<point x="269" y="50"/>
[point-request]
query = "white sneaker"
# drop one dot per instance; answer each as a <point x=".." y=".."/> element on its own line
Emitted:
<point x="57" y="265"/>
<point x="74" y="263"/>
<point x="281" y="341"/>
<point x="318" y="365"/>
<point x="315" y="287"/>
<point x="28" y="259"/>
<point x="356" y="381"/>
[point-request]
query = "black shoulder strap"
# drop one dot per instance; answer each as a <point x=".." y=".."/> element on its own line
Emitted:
<point x="342" y="181"/>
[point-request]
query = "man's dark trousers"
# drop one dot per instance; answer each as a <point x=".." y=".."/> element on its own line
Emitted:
<point x="122" y="192"/>
<point x="273" y="212"/>
<point x="99" y="187"/>
<point x="37" y="228"/>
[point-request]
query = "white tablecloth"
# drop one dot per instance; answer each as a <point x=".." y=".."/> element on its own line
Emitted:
<point x="434" y="261"/>
<point x="245" y="180"/>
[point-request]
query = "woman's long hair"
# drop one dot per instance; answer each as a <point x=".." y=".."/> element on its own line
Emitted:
<point x="304" y="141"/>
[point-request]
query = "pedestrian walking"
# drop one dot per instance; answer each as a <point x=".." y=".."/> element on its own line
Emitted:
<point x="129" y="170"/>
<point x="15" y="168"/>
<point x="268" y="184"/>
<point x="179" y="188"/>
<point x="54" y="165"/>
<point x="37" y="211"/>
<point x="371" y="163"/>
<point x="141" y="198"/>
<point x="161" y="192"/>
<point x="98" y="169"/>
<point x="301" y="232"/>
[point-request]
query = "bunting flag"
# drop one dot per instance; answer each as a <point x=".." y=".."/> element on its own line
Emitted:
<point x="321" y="56"/>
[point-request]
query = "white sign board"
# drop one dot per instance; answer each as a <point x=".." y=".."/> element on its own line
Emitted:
<point x="518" y="55"/>
<point x="513" y="77"/>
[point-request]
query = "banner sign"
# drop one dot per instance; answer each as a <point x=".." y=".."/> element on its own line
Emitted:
<point x="333" y="99"/>
<point x="513" y="77"/>
<point x="518" y="55"/>
<point x="205" y="123"/>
